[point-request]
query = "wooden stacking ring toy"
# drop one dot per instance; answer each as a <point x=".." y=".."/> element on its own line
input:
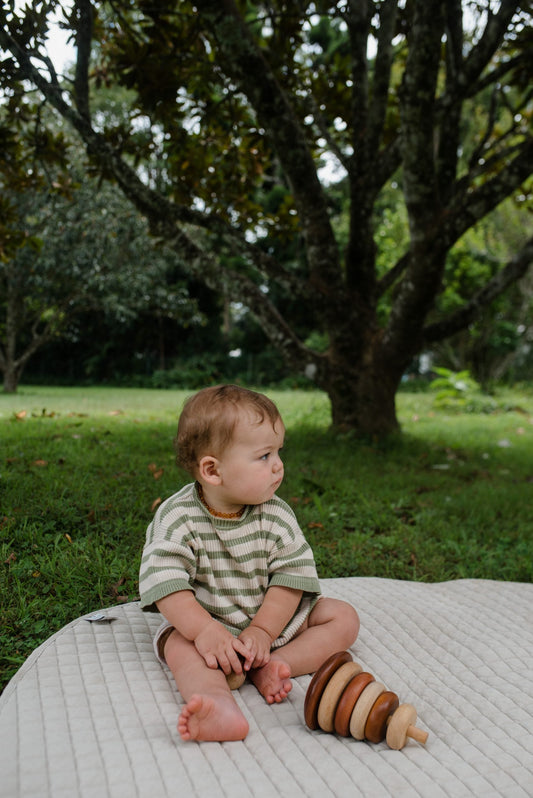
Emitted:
<point x="402" y="725"/>
<point x="343" y="698"/>
<point x="348" y="700"/>
<point x="332" y="693"/>
<point x="376" y="725"/>
<point x="319" y="682"/>
<point x="362" y="709"/>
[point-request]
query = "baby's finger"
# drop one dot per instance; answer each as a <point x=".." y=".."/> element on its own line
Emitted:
<point x="225" y="663"/>
<point x="211" y="661"/>
<point x="246" y="652"/>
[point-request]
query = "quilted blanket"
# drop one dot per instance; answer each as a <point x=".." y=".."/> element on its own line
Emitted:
<point x="92" y="714"/>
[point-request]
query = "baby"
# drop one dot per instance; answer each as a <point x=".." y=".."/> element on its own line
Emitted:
<point x="228" y="567"/>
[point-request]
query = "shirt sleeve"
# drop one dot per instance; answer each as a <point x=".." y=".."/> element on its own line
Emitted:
<point x="291" y="561"/>
<point x="168" y="563"/>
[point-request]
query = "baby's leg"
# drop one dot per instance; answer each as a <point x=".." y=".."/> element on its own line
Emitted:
<point x="332" y="626"/>
<point x="210" y="711"/>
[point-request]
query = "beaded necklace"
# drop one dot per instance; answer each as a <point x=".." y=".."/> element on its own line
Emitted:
<point x="216" y="513"/>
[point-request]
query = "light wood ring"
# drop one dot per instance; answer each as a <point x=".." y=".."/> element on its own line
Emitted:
<point x="376" y="723"/>
<point x="318" y="683"/>
<point x="332" y="693"/>
<point x="348" y="700"/>
<point x="235" y="680"/>
<point x="399" y="723"/>
<point x="362" y="709"/>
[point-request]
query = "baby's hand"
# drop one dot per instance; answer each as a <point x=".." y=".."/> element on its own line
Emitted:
<point x="258" y="642"/>
<point x="220" y="648"/>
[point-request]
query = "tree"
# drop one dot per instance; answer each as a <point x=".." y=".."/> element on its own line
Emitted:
<point x="235" y="99"/>
<point x="71" y="247"/>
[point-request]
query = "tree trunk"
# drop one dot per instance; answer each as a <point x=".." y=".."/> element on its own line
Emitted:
<point x="362" y="393"/>
<point x="11" y="378"/>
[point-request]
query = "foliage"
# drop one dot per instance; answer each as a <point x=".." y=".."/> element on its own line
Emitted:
<point x="498" y="343"/>
<point x="460" y="392"/>
<point x="82" y="470"/>
<point x="233" y="111"/>
<point x="86" y="251"/>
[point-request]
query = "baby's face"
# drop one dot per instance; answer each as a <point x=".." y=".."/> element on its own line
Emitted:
<point x="251" y="466"/>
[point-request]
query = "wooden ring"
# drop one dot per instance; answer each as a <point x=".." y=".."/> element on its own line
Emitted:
<point x="332" y="693"/>
<point x="376" y="724"/>
<point x="347" y="702"/>
<point x="318" y="683"/>
<point x="235" y="680"/>
<point x="400" y="721"/>
<point x="362" y="709"/>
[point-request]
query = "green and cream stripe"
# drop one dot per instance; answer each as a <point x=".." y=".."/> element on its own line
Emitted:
<point x="228" y="563"/>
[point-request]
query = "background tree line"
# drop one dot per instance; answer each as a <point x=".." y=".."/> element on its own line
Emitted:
<point x="214" y="120"/>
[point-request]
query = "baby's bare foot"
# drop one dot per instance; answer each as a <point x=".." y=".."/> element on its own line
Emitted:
<point x="207" y="717"/>
<point x="272" y="680"/>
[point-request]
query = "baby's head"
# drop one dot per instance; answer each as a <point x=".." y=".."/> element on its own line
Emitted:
<point x="208" y="420"/>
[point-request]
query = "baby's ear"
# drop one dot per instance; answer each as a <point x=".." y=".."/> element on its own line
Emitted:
<point x="208" y="470"/>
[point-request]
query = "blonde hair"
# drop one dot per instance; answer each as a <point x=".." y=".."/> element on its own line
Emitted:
<point x="208" y="419"/>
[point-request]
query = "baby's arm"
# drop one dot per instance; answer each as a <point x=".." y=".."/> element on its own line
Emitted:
<point x="212" y="640"/>
<point x="278" y="607"/>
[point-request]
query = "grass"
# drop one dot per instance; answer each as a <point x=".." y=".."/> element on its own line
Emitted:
<point x="81" y="470"/>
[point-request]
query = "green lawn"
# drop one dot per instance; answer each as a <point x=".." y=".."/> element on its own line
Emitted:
<point x="82" y="468"/>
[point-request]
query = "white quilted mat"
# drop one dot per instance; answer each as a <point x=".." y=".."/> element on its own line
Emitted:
<point x="92" y="714"/>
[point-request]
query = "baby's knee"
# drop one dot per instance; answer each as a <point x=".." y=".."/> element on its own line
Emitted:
<point x="342" y="615"/>
<point x="349" y="622"/>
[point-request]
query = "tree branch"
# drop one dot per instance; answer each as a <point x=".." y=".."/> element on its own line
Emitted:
<point x="382" y="74"/>
<point x="472" y="204"/>
<point x="417" y="103"/>
<point x="205" y="266"/>
<point x="245" y="63"/>
<point x="357" y="17"/>
<point x="459" y="320"/>
<point x="83" y="44"/>
<point x="482" y="52"/>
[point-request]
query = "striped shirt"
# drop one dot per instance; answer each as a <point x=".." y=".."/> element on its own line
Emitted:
<point x="228" y="563"/>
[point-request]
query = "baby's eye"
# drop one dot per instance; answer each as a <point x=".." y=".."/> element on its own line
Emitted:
<point x="264" y="456"/>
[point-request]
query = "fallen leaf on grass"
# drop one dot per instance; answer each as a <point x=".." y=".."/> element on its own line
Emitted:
<point x="315" y="525"/>
<point x="21" y="415"/>
<point x="116" y="413"/>
<point x="115" y="593"/>
<point x="12" y="557"/>
<point x="156" y="503"/>
<point x="40" y="463"/>
<point x="156" y="472"/>
<point x="68" y="537"/>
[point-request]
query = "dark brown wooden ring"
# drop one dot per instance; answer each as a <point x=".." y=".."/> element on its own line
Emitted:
<point x="318" y="684"/>
<point x="376" y="724"/>
<point x="348" y="700"/>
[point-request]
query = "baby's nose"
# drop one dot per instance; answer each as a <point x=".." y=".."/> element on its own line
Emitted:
<point x="277" y="464"/>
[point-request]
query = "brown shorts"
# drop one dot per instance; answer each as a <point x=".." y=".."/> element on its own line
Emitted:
<point x="161" y="637"/>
